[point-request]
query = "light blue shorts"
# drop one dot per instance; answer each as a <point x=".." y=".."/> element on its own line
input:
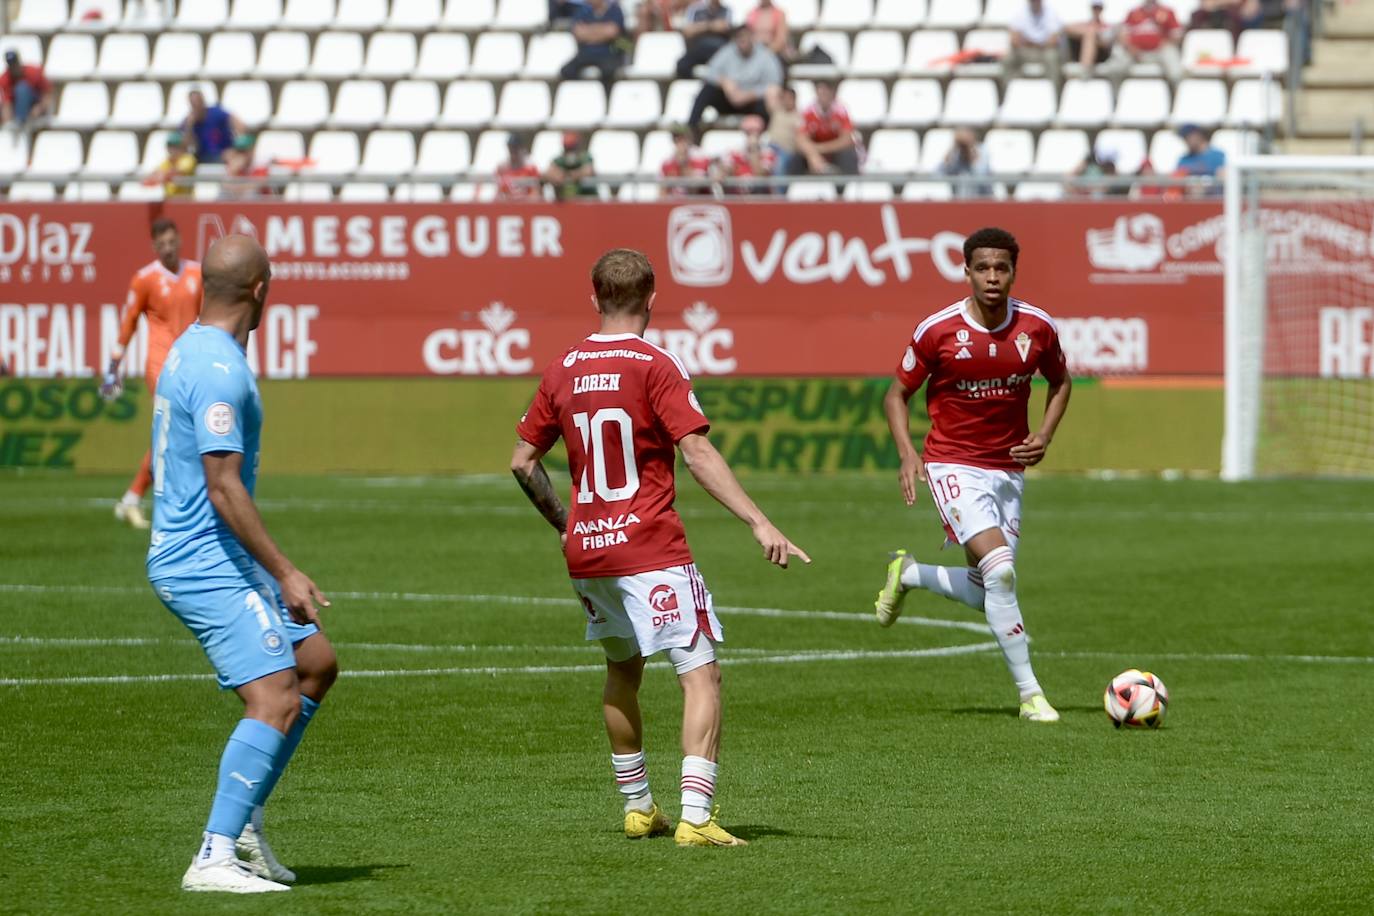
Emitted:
<point x="242" y="626"/>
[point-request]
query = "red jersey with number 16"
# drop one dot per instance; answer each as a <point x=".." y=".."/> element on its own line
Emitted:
<point x="978" y="380"/>
<point x="621" y="406"/>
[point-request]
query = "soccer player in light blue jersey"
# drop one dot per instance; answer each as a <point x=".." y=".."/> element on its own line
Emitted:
<point x="216" y="568"/>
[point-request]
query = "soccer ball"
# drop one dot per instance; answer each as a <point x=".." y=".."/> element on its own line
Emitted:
<point x="1136" y="699"/>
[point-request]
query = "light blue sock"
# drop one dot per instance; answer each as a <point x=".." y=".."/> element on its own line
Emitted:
<point x="283" y="756"/>
<point x="243" y="769"/>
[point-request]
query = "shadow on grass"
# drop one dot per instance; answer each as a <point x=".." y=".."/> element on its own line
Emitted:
<point x="338" y="874"/>
<point x="752" y="832"/>
<point x="1011" y="712"/>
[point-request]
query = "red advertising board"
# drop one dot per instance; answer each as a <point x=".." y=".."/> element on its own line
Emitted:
<point x="743" y="289"/>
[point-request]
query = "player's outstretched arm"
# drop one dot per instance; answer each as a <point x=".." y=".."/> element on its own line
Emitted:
<point x="716" y="478"/>
<point x="899" y="423"/>
<point x="224" y="485"/>
<point x="529" y="472"/>
<point x="1032" y="449"/>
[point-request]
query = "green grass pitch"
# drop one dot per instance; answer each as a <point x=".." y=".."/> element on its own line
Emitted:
<point x="459" y="765"/>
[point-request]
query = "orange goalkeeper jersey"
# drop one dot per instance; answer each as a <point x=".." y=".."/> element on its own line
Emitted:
<point x="171" y="302"/>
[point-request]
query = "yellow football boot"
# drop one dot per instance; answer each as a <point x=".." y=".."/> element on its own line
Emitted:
<point x="1038" y="709"/>
<point x="710" y="833"/>
<point x="888" y="607"/>
<point x="641" y="824"/>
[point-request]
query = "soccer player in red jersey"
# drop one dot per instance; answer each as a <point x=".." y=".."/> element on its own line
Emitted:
<point x="622" y="406"/>
<point x="976" y="358"/>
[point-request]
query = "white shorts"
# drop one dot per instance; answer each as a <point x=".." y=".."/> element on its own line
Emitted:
<point x="659" y="610"/>
<point x="971" y="500"/>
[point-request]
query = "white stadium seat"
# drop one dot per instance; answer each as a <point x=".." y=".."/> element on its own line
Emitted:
<point x="869" y="191"/>
<point x="1027" y="103"/>
<point x="138" y="191"/>
<point x="1060" y="152"/>
<point x="388" y="152"/>
<point x="678" y="105"/>
<point x="41" y="16"/>
<point x="866" y="100"/>
<point x="179" y="105"/>
<point x="1204" y="49"/>
<point x="413" y="104"/>
<point x="1237" y="142"/>
<point x="87" y="191"/>
<point x="1038" y="190"/>
<point x="70" y="57"/>
<point x="718" y="143"/>
<point x="363" y="192"/>
<point x="490" y="152"/>
<point x="359" y="104"/>
<point x="522" y="15"/>
<point x="935" y="145"/>
<point x="338" y="56"/>
<point x="443" y="56"/>
<point x="146" y="16"/>
<point x="1166" y="148"/>
<point x="998" y="13"/>
<point x="255" y="15"/>
<point x="836" y="44"/>
<point x="82" y="105"/>
<point x="970" y="102"/>
<point x="658" y="146"/>
<point x="1071" y="11"/>
<point x="1009" y="149"/>
<point x="303" y="104"/>
<point x="14" y="152"/>
<point x="37" y="191"/>
<point x="877" y="53"/>
<point x="954" y="14"/>
<point x="414" y="15"/>
<point x="443" y="153"/>
<point x="1199" y="101"/>
<point x="176" y="56"/>
<point x="801" y="14"/>
<point x="273" y="145"/>
<point x="497" y="54"/>
<point x="656" y="55"/>
<point x="1142" y="103"/>
<point x="112" y="153"/>
<point x="308" y="192"/>
<point x="812" y="191"/>
<point x="915" y="103"/>
<point x="899" y="14"/>
<point x="1085" y="103"/>
<point x="308" y="15"/>
<point x="615" y="152"/>
<point x="137" y="106"/>
<point x="122" y="56"/>
<point x="524" y="105"/>
<point x="849" y="15"/>
<point x="927" y="190"/>
<point x="465" y="192"/>
<point x="229" y="55"/>
<point x="360" y="15"/>
<point x="929" y="51"/>
<point x="154" y="151"/>
<point x="56" y="154"/>
<point x="96" y="15"/>
<point x="334" y="152"/>
<point x="547" y="54"/>
<point x="468" y="103"/>
<point x="634" y="103"/>
<point x="547" y="146"/>
<point x="579" y="104"/>
<point x="283" y="55"/>
<point x="990" y="42"/>
<point x="201" y="15"/>
<point x="30" y="47"/>
<point x="893" y="152"/>
<point x="1127" y="145"/>
<point x="418" y="192"/>
<point x="390" y="55"/>
<point x="468" y="15"/>
<point x="1265" y="49"/>
<point x="1251" y="106"/>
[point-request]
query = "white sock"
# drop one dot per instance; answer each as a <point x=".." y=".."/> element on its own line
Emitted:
<point x="632" y="778"/>
<point x="698" y="788"/>
<point x="1004" y="617"/>
<point x="130" y="498"/>
<point x="215" y="847"/>
<point x="956" y="583"/>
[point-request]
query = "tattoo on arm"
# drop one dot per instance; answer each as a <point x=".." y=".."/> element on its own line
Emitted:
<point x="539" y="489"/>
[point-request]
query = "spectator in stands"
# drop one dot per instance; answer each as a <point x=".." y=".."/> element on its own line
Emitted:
<point x="240" y="163"/>
<point x="1150" y="35"/>
<point x="177" y="164"/>
<point x="1091" y="42"/>
<point x="25" y="93"/>
<point x="686" y="161"/>
<point x="783" y="128"/>
<point x="825" y="141"/>
<point x="966" y="157"/>
<point x="599" y="27"/>
<point x="1100" y="164"/>
<point x="1218" y="14"/>
<point x="1202" y="159"/>
<point x="561" y="12"/>
<point x="659" y="15"/>
<point x="757" y="159"/>
<point x="571" y="172"/>
<point x="707" y="30"/>
<point x="209" y="129"/>
<point x="517" y="178"/>
<point x="742" y="79"/>
<point x="1036" y="36"/>
<point x="769" y="25"/>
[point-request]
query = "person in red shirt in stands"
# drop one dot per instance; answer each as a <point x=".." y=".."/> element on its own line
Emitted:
<point x="686" y="162"/>
<point x="517" y="178"/>
<point x="1150" y="35"/>
<point x="826" y="141"/>
<point x="756" y="159"/>
<point x="25" y="93"/>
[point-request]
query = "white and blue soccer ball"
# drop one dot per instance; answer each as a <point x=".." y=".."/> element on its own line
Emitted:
<point x="1136" y="699"/>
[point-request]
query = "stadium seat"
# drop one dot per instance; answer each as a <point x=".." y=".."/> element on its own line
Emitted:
<point x="1085" y="103"/>
<point x="658" y="146"/>
<point x="498" y="55"/>
<point x="547" y="54"/>
<point x="1028" y="103"/>
<point x="201" y="15"/>
<point x="915" y="103"/>
<point x="255" y="15"/>
<point x="546" y="146"/>
<point x="930" y="53"/>
<point x="997" y="14"/>
<point x="137" y="106"/>
<point x="154" y="151"/>
<point x="812" y="191"/>
<point x="283" y="55"/>
<point x="87" y="191"/>
<point x="1142" y="103"/>
<point x="489" y="154"/>
<point x="1205" y="49"/>
<point x="418" y="192"/>
<point x="95" y="15"/>
<point x="866" y="100"/>
<point x="303" y="105"/>
<point x="849" y="15"/>
<point x="1060" y="152"/>
<point x="1166" y="148"/>
<point x="364" y="192"/>
<point x="176" y="56"/>
<point x="41" y="16"/>
<point x="868" y="191"/>
<point x="30" y="47"/>
<point x="469" y="15"/>
<point x="678" y="105"/>
<point x="634" y="103"/>
<point x="178" y="100"/>
<point x="801" y="14"/>
<point x="970" y="102"/>
<point x="893" y="152"/>
<point x="308" y="192"/>
<point x="388" y="152"/>
<point x="615" y="152"/>
<point x="122" y="56"/>
<point x="414" y="15"/>
<point x="338" y="56"/>
<point x="359" y="104"/>
<point x="806" y="93"/>
<point x="334" y="152"/>
<point x="935" y="146"/>
<point x="836" y="44"/>
<point x="146" y="16"/>
<point x="1038" y="190"/>
<point x="443" y="56"/>
<point x="138" y="192"/>
<point x="56" y="154"/>
<point x="718" y="143"/>
<point x="877" y="53"/>
<point x="360" y="15"/>
<point x="36" y="191"/>
<point x="927" y="190"/>
<point x="1266" y="51"/>
<point x="443" y="153"/>
<point x="1237" y="142"/>
<point x="412" y="104"/>
<point x="284" y="145"/>
<point x="70" y="57"/>
<point x="954" y="14"/>
<point x="904" y="15"/>
<point x="579" y="105"/>
<point x="522" y="15"/>
<point x="524" y="105"/>
<point x="228" y="55"/>
<point x="656" y="55"/>
<point x="465" y="192"/>
<point x="987" y="43"/>
<point x="14" y="152"/>
<point x="1009" y="149"/>
<point x="468" y="103"/>
<point x="82" y="105"/>
<point x="1071" y="11"/>
<point x="1199" y="101"/>
<point x="1251" y="106"/>
<point x="1128" y="146"/>
<point x="112" y="153"/>
<point x="390" y="55"/>
<point x="308" y="15"/>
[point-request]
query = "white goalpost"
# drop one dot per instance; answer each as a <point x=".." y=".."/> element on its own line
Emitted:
<point x="1299" y="316"/>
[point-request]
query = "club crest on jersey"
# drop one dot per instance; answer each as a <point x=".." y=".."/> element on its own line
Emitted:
<point x="1023" y="345"/>
<point x="962" y="335"/>
<point x="963" y="354"/>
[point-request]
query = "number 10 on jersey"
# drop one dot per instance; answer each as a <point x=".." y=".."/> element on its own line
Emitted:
<point x="592" y="428"/>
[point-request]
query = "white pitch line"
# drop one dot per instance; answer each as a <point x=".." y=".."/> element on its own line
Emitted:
<point x="121" y="642"/>
<point x="1221" y="657"/>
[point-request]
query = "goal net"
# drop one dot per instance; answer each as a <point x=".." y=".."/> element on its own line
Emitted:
<point x="1299" y="266"/>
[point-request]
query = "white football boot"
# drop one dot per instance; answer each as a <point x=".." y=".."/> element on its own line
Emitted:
<point x="256" y="854"/>
<point x="228" y="876"/>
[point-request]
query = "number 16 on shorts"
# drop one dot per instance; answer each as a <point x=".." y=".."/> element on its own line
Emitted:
<point x="971" y="500"/>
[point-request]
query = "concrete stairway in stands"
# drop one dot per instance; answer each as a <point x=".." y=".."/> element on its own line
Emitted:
<point x="1338" y="87"/>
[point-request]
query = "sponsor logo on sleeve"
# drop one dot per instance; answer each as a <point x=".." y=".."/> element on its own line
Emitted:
<point x="909" y="359"/>
<point x="219" y="418"/>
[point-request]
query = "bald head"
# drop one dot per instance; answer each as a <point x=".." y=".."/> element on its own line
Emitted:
<point x="235" y="276"/>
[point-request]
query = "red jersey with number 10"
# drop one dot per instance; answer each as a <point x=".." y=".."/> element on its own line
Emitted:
<point x="978" y="380"/>
<point x="621" y="405"/>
